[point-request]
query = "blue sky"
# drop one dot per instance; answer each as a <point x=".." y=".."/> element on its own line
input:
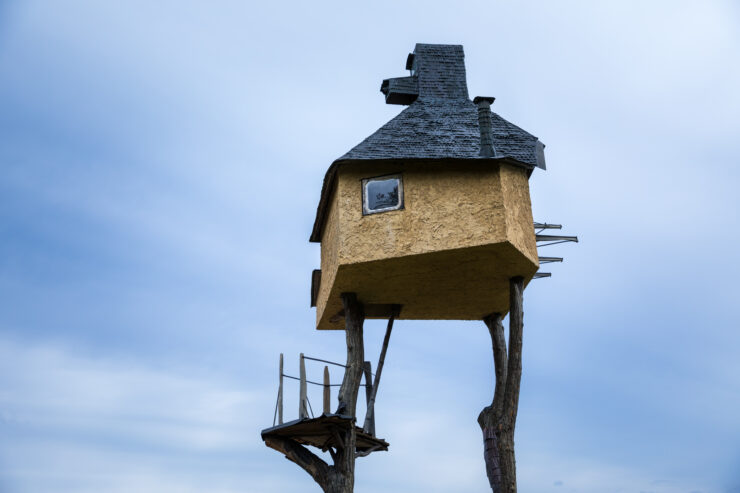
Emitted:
<point x="161" y="164"/>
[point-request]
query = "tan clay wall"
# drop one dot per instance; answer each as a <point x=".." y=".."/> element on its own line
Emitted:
<point x="464" y="231"/>
<point x="329" y="251"/>
<point x="446" y="206"/>
<point x="515" y="185"/>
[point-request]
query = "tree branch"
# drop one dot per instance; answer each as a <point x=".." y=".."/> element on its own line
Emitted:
<point x="367" y="452"/>
<point x="495" y="325"/>
<point x="514" y="369"/>
<point x="369" y="426"/>
<point x="297" y="453"/>
<point x="490" y="418"/>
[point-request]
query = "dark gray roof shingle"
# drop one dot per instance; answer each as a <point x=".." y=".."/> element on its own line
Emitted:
<point x="446" y="129"/>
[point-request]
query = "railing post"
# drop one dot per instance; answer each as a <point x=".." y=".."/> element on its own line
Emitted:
<point x="302" y="399"/>
<point x="327" y="391"/>
<point x="369" y="426"/>
<point x="280" y="393"/>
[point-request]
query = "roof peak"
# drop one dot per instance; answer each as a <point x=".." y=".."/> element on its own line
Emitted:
<point x="440" y="125"/>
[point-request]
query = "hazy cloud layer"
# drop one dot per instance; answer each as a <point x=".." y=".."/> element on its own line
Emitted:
<point x="161" y="165"/>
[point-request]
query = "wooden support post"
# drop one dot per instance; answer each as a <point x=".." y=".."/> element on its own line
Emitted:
<point x="370" y="415"/>
<point x="344" y="465"/>
<point x="369" y="426"/>
<point x="339" y="478"/>
<point x="514" y="369"/>
<point x="302" y="398"/>
<point x="490" y="417"/>
<point x="327" y="391"/>
<point x="354" y="318"/>
<point x="498" y="420"/>
<point x="280" y="392"/>
<point x="513" y="382"/>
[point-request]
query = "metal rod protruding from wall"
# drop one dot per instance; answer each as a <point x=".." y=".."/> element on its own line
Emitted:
<point x="547" y="226"/>
<point x="549" y="260"/>
<point x="540" y="237"/>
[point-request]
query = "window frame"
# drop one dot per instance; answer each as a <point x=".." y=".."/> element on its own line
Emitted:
<point x="366" y="211"/>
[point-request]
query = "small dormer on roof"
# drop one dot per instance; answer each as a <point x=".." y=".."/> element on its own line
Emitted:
<point x="401" y="90"/>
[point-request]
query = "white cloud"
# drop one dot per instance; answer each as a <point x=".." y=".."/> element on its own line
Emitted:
<point x="84" y="421"/>
<point x="155" y="136"/>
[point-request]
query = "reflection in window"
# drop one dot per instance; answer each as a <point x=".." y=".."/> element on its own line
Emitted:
<point x="381" y="194"/>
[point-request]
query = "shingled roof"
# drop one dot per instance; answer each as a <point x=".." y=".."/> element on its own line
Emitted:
<point x="440" y="123"/>
<point x="444" y="129"/>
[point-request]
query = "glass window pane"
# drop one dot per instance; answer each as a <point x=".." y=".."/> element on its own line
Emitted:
<point x="382" y="194"/>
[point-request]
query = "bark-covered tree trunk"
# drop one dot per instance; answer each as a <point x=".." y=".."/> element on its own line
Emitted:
<point x="339" y="478"/>
<point x="498" y="420"/>
<point x="342" y="475"/>
<point x="490" y="417"/>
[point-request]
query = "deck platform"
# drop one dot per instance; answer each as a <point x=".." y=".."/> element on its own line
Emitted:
<point x="321" y="432"/>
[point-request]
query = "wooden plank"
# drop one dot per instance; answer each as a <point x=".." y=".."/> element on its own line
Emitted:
<point x="321" y="432"/>
<point x="280" y="392"/>
<point x="370" y="415"/>
<point x="302" y="407"/>
<point x="371" y="311"/>
<point x="369" y="426"/>
<point x="315" y="285"/>
<point x="327" y="391"/>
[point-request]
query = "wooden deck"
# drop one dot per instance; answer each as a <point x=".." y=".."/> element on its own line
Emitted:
<point x="320" y="432"/>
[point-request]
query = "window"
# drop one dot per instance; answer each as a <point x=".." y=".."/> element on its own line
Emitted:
<point x="381" y="194"/>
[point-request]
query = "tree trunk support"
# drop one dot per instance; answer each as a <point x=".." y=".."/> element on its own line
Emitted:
<point x="498" y="420"/>
<point x="340" y="477"/>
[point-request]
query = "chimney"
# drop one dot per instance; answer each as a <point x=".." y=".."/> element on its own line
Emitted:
<point x="486" y="126"/>
<point x="437" y="73"/>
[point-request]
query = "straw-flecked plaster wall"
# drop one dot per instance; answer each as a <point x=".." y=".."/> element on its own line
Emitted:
<point x="447" y="207"/>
